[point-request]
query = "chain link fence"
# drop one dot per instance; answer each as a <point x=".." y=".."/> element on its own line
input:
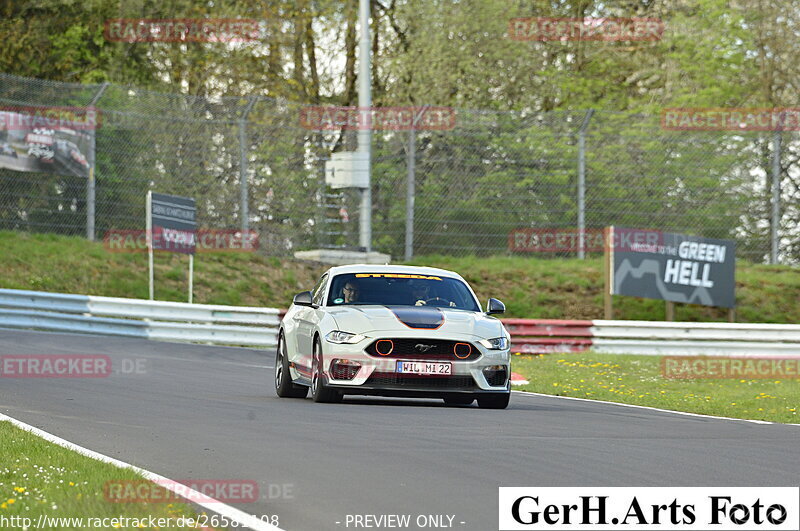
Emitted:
<point x="250" y="165"/>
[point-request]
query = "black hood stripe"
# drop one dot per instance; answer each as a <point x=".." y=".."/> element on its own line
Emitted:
<point x="418" y="316"/>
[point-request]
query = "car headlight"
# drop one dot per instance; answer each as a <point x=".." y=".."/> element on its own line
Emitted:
<point x="337" y="336"/>
<point x="498" y="343"/>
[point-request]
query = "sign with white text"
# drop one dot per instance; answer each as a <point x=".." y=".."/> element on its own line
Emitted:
<point x="673" y="267"/>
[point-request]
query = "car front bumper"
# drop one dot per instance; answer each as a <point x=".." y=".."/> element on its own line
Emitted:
<point x="489" y="372"/>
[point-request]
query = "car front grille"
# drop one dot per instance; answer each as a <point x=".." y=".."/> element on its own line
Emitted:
<point x="395" y="380"/>
<point x="427" y="349"/>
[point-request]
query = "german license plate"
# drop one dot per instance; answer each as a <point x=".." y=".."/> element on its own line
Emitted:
<point x="417" y="367"/>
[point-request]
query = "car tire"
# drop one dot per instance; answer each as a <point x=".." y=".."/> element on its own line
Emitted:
<point x="459" y="400"/>
<point x="494" y="401"/>
<point x="319" y="391"/>
<point x="284" y="387"/>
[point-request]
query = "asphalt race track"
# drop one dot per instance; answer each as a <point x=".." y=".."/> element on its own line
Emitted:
<point x="206" y="412"/>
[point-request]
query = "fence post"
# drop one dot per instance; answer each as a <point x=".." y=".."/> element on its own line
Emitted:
<point x="244" y="214"/>
<point x="91" y="158"/>
<point x="776" y="195"/>
<point x="365" y="132"/>
<point x="582" y="184"/>
<point x="410" y="184"/>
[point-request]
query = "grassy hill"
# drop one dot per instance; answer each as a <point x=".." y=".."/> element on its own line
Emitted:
<point x="530" y="287"/>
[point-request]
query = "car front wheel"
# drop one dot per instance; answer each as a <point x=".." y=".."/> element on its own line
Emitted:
<point x="459" y="400"/>
<point x="319" y="392"/>
<point x="494" y="401"/>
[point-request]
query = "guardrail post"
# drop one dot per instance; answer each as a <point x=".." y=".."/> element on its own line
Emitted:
<point x="608" y="271"/>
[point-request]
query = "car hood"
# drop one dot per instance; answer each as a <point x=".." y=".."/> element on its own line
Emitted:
<point x="428" y="321"/>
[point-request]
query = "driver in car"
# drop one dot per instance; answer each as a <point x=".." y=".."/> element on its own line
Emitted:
<point x="419" y="290"/>
<point x="422" y="295"/>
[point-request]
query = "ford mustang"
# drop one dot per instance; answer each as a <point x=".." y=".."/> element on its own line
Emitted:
<point x="393" y="331"/>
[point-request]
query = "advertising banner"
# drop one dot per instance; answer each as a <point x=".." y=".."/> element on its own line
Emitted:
<point x="673" y="267"/>
<point x="52" y="140"/>
<point x="173" y="223"/>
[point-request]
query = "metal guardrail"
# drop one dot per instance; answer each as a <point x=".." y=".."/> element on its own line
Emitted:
<point x="537" y="336"/>
<point x="257" y="327"/>
<point x="158" y="320"/>
<point x="540" y="336"/>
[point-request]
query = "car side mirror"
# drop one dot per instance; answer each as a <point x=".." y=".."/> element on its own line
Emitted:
<point x="495" y="306"/>
<point x="303" y="299"/>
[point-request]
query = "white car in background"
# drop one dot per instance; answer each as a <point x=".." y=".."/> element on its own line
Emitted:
<point x="393" y="331"/>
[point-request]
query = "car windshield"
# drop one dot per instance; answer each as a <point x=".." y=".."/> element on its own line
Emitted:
<point x="401" y="289"/>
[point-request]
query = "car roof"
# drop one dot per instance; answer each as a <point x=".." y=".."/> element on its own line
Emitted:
<point x="372" y="268"/>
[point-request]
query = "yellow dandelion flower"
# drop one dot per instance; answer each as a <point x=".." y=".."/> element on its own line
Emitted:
<point x="10" y="501"/>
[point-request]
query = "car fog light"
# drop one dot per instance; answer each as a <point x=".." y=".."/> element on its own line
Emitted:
<point x="343" y="369"/>
<point x="495" y="375"/>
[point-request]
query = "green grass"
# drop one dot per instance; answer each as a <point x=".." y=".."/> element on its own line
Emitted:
<point x="46" y="262"/>
<point x="41" y="478"/>
<point x="533" y="287"/>
<point x="632" y="379"/>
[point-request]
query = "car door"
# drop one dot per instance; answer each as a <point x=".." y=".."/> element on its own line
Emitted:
<point x="307" y="320"/>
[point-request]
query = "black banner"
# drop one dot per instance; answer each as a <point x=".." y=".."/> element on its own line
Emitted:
<point x="673" y="267"/>
<point x="173" y="223"/>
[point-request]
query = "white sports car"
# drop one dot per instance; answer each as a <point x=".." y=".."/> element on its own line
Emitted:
<point x="393" y="331"/>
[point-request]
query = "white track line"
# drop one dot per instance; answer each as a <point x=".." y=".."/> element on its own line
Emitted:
<point x="212" y="505"/>
<point x="753" y="421"/>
